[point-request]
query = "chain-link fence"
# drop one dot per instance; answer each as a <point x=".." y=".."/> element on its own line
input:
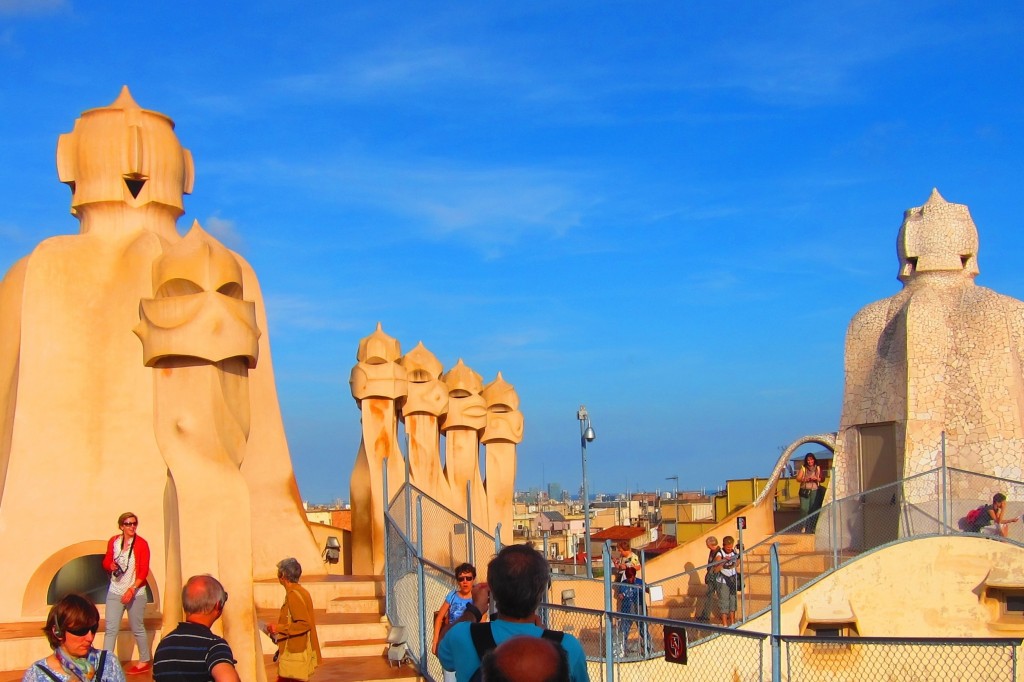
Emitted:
<point x="968" y="490"/>
<point x="426" y="541"/>
<point x="634" y="646"/>
<point x="404" y="588"/>
<point x="448" y="539"/>
<point x="841" y="530"/>
<point x="843" y="659"/>
<point x="930" y="503"/>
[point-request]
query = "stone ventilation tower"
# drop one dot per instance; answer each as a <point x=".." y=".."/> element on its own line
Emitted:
<point x="941" y="356"/>
<point x="390" y="388"/>
<point x="504" y="430"/>
<point x="377" y="381"/>
<point x="86" y="407"/>
<point x="425" y="405"/>
<point x="201" y="337"/>
<point x="462" y="426"/>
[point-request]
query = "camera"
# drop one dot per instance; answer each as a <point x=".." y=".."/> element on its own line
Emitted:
<point x="118" y="571"/>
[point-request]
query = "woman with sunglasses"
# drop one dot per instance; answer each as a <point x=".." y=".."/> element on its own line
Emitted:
<point x="455" y="603"/>
<point x="127" y="561"/>
<point x="70" y="629"/>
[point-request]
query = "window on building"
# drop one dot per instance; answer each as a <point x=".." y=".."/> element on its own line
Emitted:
<point x="85" y="575"/>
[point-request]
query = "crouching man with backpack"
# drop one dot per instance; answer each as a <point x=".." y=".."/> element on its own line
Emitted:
<point x="518" y="579"/>
<point x="989" y="519"/>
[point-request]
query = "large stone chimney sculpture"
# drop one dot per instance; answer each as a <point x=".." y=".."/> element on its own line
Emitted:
<point x="941" y="356"/>
<point x="201" y="337"/>
<point x="85" y="424"/>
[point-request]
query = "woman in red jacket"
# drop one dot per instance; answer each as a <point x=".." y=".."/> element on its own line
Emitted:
<point x="127" y="561"/>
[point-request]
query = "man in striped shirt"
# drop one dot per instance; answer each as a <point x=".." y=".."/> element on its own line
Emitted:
<point x="191" y="652"/>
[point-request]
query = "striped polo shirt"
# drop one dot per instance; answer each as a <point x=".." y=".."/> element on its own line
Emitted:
<point x="188" y="654"/>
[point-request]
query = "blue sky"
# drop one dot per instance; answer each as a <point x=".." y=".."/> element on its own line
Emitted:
<point x="666" y="211"/>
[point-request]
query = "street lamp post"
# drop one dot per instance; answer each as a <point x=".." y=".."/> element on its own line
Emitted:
<point x="675" y="479"/>
<point x="586" y="436"/>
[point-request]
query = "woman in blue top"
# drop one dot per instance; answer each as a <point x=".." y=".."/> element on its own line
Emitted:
<point x="70" y="629"/>
<point x="455" y="602"/>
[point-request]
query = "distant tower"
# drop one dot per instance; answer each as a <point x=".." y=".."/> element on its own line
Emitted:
<point x="554" y="491"/>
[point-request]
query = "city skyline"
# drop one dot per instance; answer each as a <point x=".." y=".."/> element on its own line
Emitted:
<point x="667" y="213"/>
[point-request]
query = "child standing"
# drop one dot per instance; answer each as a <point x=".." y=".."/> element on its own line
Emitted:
<point x="728" y="557"/>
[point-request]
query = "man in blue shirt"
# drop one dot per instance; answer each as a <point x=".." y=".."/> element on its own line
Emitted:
<point x="518" y="579"/>
<point x="629" y="592"/>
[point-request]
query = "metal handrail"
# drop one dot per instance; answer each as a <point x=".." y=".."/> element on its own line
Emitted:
<point x="775" y="536"/>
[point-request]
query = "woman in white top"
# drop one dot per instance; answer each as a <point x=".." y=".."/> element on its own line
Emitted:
<point x="127" y="561"/>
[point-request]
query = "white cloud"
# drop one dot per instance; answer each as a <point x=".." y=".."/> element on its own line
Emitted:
<point x="33" y="7"/>
<point x="11" y="233"/>
<point x="417" y="67"/>
<point x="490" y="209"/>
<point x="377" y="72"/>
<point x="225" y="231"/>
<point x="297" y="312"/>
<point x="715" y="281"/>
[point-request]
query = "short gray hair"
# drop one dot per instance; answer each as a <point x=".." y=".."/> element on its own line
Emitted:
<point x="289" y="569"/>
<point x="201" y="594"/>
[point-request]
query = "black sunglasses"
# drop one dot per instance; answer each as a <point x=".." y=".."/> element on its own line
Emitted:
<point x="464" y="578"/>
<point x="80" y="632"/>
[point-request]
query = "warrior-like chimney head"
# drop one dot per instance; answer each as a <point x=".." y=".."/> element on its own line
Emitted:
<point x="123" y="153"/>
<point x="937" y="237"/>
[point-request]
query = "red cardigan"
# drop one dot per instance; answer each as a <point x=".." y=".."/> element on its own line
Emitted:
<point x="141" y="554"/>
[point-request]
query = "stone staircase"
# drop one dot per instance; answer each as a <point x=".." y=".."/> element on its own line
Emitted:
<point x="799" y="564"/>
<point x="350" y="623"/>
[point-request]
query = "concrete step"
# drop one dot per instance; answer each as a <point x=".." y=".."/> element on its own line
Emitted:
<point x="356" y="605"/>
<point x="760" y="584"/>
<point x="351" y="648"/>
<point x="323" y="589"/>
<point x="682" y="610"/>
<point x="332" y="627"/>
<point x="757" y="603"/>
<point x="810" y="561"/>
<point x="791" y="543"/>
<point x="359" y="669"/>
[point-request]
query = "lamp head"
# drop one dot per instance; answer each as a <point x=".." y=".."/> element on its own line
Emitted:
<point x="332" y="550"/>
